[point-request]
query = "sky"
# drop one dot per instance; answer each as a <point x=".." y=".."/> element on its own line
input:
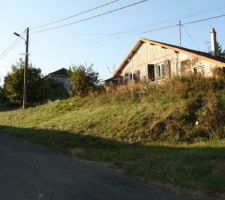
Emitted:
<point x="94" y="41"/>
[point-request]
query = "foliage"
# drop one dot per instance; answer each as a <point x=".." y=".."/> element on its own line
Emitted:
<point x="3" y="98"/>
<point x="51" y="90"/>
<point x="13" y="84"/>
<point x="39" y="88"/>
<point x="221" y="51"/>
<point x="83" y="79"/>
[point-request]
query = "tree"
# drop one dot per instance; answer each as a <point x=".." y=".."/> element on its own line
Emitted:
<point x="51" y="90"/>
<point x="39" y="88"/>
<point x="3" y="99"/>
<point x="83" y="79"/>
<point x="13" y="84"/>
<point x="221" y="52"/>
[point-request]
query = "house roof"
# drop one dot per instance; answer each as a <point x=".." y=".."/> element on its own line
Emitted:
<point x="60" y="72"/>
<point x="220" y="61"/>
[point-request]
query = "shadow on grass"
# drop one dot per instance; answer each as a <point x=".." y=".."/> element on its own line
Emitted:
<point x="193" y="168"/>
<point x="4" y="107"/>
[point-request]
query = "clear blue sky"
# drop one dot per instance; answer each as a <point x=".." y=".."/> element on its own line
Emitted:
<point x="73" y="45"/>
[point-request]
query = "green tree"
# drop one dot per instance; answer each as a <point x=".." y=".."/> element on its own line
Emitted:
<point x="3" y="99"/>
<point x="221" y="51"/>
<point x="51" y="90"/>
<point x="83" y="79"/>
<point x="13" y="84"/>
<point x="39" y="88"/>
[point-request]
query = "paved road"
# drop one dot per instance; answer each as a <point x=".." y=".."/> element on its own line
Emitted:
<point x="33" y="172"/>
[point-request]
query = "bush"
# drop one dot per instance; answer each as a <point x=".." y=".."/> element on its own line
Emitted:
<point x="83" y="79"/>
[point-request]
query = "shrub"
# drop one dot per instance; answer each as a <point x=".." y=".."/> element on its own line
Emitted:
<point x="83" y="79"/>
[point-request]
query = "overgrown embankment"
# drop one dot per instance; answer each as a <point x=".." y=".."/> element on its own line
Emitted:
<point x="186" y="109"/>
<point x="184" y="118"/>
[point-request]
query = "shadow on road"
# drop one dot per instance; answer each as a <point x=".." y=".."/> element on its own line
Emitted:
<point x="195" y="168"/>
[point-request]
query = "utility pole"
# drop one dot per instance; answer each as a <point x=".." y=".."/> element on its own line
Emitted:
<point x="25" y="70"/>
<point x="25" y="66"/>
<point x="180" y="32"/>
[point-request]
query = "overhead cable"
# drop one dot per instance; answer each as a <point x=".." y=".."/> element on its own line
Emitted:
<point x="92" y="17"/>
<point x="75" y="15"/>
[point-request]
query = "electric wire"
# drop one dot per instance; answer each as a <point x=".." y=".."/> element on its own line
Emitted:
<point x="92" y="17"/>
<point x="10" y="47"/>
<point x="75" y="15"/>
<point x="205" y="19"/>
<point x="161" y="28"/>
<point x="182" y="17"/>
<point x="191" y="38"/>
<point x="137" y="29"/>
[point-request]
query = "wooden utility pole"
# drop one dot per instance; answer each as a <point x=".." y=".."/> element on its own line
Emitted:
<point x="25" y="70"/>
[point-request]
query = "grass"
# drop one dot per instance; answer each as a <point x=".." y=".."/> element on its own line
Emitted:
<point x="170" y="133"/>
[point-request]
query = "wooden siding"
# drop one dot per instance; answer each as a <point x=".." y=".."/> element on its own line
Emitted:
<point x="154" y="54"/>
<point x="150" y="54"/>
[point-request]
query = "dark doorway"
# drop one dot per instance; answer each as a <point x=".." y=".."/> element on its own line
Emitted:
<point x="151" y="72"/>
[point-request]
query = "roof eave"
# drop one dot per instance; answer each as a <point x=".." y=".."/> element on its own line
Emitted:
<point x="219" y="63"/>
<point x="176" y="50"/>
<point x="129" y="56"/>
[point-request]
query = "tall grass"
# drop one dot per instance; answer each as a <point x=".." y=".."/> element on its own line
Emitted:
<point x="183" y="109"/>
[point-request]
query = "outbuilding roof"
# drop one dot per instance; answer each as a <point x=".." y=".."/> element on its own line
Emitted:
<point x="60" y="72"/>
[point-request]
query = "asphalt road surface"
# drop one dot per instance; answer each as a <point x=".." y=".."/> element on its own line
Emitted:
<point x="33" y="172"/>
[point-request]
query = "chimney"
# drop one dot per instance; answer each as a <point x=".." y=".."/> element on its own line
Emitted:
<point x="213" y="42"/>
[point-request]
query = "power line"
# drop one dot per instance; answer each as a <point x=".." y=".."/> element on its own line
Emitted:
<point x="182" y="17"/>
<point x="189" y="35"/>
<point x="75" y="15"/>
<point x="92" y="17"/>
<point x="205" y="19"/>
<point x="157" y="29"/>
<point x="168" y="27"/>
<point x="136" y="30"/>
<point x="10" y="47"/>
<point x="163" y="28"/>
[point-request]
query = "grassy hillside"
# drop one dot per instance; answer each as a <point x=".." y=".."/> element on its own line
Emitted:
<point x="172" y="133"/>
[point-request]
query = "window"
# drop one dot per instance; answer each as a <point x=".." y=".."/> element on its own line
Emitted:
<point x="137" y="75"/>
<point x="129" y="76"/>
<point x="159" y="71"/>
<point x="151" y="72"/>
<point x="199" y="70"/>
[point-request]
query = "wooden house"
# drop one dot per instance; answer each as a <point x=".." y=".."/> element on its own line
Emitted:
<point x="154" y="61"/>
